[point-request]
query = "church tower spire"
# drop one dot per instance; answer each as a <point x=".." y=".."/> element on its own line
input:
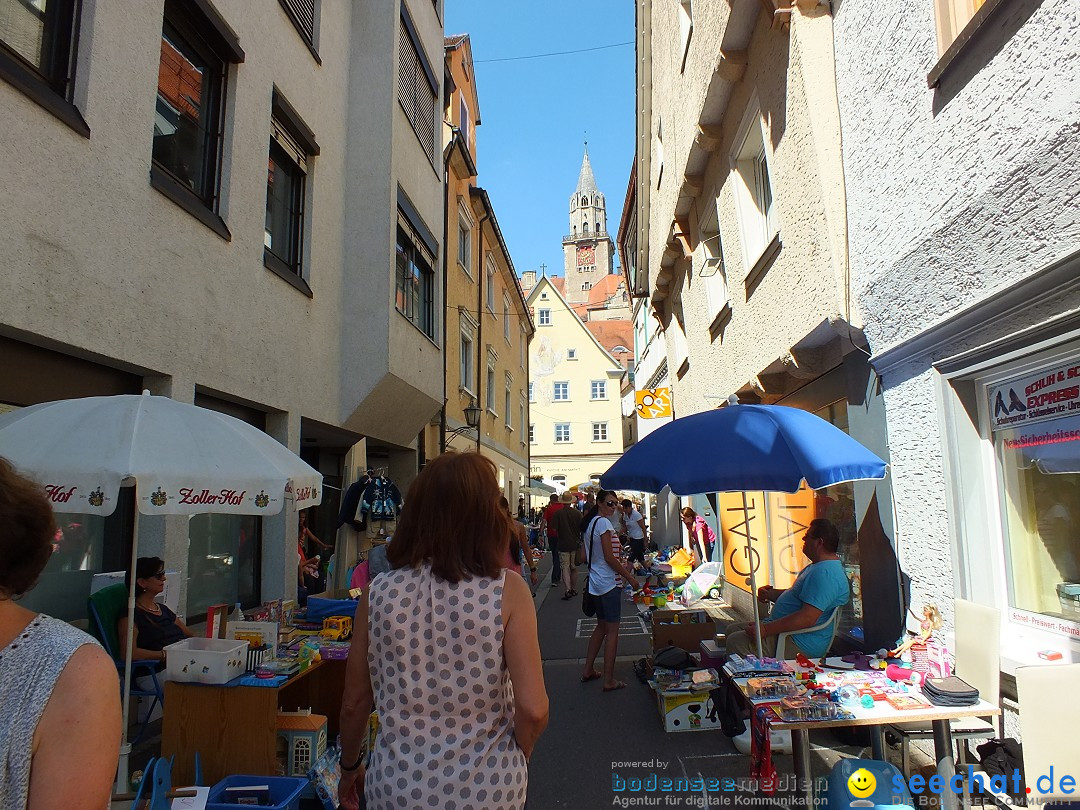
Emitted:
<point x="587" y="250"/>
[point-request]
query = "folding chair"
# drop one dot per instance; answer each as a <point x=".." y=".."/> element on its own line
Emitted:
<point x="782" y="639"/>
<point x="106" y="608"/>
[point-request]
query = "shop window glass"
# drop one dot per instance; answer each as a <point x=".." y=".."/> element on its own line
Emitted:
<point x="1040" y="500"/>
<point x="223" y="562"/>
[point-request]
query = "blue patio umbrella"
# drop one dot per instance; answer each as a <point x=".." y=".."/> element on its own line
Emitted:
<point x="743" y="447"/>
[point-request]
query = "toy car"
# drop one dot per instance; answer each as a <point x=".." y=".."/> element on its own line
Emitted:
<point x="337" y="628"/>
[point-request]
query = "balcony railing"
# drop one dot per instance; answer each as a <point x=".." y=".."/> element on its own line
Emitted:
<point x="571" y="237"/>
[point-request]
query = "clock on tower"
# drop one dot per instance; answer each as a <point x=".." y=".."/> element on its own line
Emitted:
<point x="586" y="256"/>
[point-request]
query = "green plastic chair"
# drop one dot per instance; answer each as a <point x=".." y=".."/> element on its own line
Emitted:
<point x="106" y="608"/>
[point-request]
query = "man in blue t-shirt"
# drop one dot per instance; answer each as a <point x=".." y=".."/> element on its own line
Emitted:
<point x="820" y="589"/>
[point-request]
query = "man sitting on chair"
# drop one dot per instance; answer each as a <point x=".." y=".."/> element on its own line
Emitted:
<point x="820" y="589"/>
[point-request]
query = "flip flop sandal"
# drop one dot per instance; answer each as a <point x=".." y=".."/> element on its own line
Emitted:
<point x="594" y="677"/>
<point x="618" y="685"/>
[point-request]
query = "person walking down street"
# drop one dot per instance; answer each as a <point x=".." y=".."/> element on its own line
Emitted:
<point x="635" y="530"/>
<point x="606" y="576"/>
<point x="445" y="645"/>
<point x="702" y="537"/>
<point x="60" y="728"/>
<point x="820" y="589"/>
<point x="553" y="537"/>
<point x="567" y="523"/>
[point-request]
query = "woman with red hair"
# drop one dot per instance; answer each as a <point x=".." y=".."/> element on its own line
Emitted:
<point x="445" y="647"/>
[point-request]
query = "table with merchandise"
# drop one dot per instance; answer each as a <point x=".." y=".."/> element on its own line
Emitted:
<point x="803" y="696"/>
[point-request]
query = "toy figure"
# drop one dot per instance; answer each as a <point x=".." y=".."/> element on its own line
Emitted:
<point x="931" y="622"/>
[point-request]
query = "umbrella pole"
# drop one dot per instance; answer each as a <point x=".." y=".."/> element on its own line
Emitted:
<point x="125" y="746"/>
<point x="753" y="578"/>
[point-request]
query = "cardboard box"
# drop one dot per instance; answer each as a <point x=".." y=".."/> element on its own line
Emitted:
<point x="681" y="711"/>
<point x="685" y="629"/>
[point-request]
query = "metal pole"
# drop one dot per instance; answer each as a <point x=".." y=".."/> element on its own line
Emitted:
<point x="125" y="746"/>
<point x="753" y="577"/>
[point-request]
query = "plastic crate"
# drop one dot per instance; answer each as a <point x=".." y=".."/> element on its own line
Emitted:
<point x="285" y="791"/>
<point x="206" y="660"/>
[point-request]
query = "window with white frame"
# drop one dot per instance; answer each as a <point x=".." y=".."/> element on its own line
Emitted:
<point x="491" y="386"/>
<point x="543" y="317"/>
<point x="571" y="354"/>
<point x="521" y="417"/>
<point x="532" y="397"/>
<point x="561" y="391"/>
<point x="532" y="433"/>
<point x="467" y="350"/>
<point x="506" y="319"/>
<point x="754" y="194"/>
<point x="464" y="248"/>
<point x="562" y="432"/>
<point x="490" y="281"/>
<point x="599" y="431"/>
<point x="711" y="263"/>
<point x="598" y="389"/>
<point x="506" y="402"/>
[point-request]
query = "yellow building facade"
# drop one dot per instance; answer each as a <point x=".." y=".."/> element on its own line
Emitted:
<point x="487" y="322"/>
<point x="575" y="431"/>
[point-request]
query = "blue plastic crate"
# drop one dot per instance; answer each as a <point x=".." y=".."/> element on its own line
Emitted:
<point x="285" y="791"/>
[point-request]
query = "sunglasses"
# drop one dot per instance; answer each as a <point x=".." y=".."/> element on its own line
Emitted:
<point x="611" y="503"/>
<point x="158" y="575"/>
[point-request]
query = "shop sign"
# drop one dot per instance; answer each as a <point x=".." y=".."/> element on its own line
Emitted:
<point x="653" y="403"/>
<point x="1040" y="621"/>
<point x="1048" y="394"/>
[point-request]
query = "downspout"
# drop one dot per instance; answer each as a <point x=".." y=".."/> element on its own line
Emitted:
<point x="480" y="327"/>
<point x="445" y="279"/>
<point x="644" y="136"/>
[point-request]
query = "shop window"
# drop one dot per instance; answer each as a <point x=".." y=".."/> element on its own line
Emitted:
<point x="196" y="49"/>
<point x="1039" y="469"/>
<point x="223" y="562"/>
<point x="37" y="54"/>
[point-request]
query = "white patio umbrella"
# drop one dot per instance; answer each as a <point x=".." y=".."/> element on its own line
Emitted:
<point x="181" y="459"/>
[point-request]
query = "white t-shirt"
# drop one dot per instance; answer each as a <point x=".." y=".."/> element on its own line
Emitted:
<point x="602" y="577"/>
<point x="633" y="527"/>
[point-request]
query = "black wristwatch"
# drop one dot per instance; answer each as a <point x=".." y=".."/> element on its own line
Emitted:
<point x="354" y="766"/>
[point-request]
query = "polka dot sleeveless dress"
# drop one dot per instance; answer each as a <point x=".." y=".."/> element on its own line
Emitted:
<point x="443" y="693"/>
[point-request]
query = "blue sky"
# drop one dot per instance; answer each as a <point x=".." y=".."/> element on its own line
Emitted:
<point x="535" y="113"/>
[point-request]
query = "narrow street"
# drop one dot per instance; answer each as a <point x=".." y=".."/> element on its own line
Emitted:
<point x="590" y="733"/>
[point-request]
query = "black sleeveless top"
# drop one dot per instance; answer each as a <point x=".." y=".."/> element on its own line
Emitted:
<point x="156" y="632"/>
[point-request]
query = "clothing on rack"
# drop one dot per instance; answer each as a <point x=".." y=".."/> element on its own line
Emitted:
<point x="350" y="504"/>
<point x="381" y="499"/>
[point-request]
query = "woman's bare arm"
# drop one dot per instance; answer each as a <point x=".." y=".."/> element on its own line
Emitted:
<point x="521" y="650"/>
<point x="77" y="742"/>
<point x="357" y="701"/>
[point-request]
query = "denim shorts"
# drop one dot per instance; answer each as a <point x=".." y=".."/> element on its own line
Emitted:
<point x="609" y="606"/>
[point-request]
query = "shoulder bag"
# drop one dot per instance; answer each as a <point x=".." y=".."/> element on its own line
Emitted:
<point x="588" y="601"/>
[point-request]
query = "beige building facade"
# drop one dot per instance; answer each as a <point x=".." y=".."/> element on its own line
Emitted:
<point x="575" y="430"/>
<point x="241" y="210"/>
<point x="487" y="320"/>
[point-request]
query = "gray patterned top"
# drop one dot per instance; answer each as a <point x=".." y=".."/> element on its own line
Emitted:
<point x="29" y="668"/>
<point x="443" y="693"/>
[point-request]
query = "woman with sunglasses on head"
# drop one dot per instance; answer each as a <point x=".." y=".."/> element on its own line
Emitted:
<point x="606" y="575"/>
<point x="156" y="626"/>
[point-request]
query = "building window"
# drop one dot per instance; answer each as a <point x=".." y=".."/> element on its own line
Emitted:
<point x="506" y="319"/>
<point x="757" y="211"/>
<point x="467" y="355"/>
<point x="37" y="54"/>
<point x="952" y="17"/>
<point x="711" y="268"/>
<point x="599" y="431"/>
<point x="521" y="419"/>
<point x="571" y="354"/>
<point x="531" y="398"/>
<point x="490" y="387"/>
<point x="532" y="434"/>
<point x="561" y="392"/>
<point x="586" y="286"/>
<point x="562" y="432"/>
<point x="418" y="89"/>
<point x="506" y="407"/>
<point x="302" y="15"/>
<point x="464" y="246"/>
<point x="686" y="29"/>
<point x="521" y="346"/>
<point x="415" y="282"/>
<point x="291" y="148"/>
<point x="489" y="293"/>
<point x="598" y="389"/>
<point x="544" y="317"/>
<point x="464" y="120"/>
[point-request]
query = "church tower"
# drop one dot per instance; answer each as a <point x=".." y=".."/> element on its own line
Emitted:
<point x="587" y="250"/>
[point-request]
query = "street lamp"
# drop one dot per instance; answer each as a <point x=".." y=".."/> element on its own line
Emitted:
<point x="472" y="422"/>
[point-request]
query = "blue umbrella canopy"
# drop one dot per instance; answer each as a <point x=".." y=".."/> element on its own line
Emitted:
<point x="743" y="447"/>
